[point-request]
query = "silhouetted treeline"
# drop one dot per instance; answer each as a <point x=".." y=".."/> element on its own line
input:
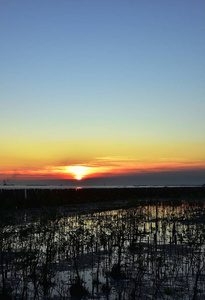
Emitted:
<point x="21" y="198"/>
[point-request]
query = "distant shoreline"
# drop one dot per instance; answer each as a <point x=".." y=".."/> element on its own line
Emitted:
<point x="42" y="197"/>
<point x="61" y="186"/>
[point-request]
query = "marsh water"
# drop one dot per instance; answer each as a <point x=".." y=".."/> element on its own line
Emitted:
<point x="151" y="251"/>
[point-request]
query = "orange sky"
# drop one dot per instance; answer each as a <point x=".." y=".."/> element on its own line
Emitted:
<point x="101" y="167"/>
<point x="85" y="159"/>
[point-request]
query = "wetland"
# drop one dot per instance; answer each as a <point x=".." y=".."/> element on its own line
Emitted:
<point x="138" y="249"/>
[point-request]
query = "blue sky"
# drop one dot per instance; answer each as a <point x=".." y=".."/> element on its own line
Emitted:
<point x="109" y="70"/>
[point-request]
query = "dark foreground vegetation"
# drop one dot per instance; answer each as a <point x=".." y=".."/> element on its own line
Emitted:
<point x="27" y="198"/>
<point x="147" y="249"/>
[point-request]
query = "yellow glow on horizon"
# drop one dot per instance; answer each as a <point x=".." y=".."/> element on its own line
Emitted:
<point x="33" y="155"/>
<point x="50" y="160"/>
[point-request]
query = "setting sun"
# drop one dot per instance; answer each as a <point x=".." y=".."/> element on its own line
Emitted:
<point x="78" y="171"/>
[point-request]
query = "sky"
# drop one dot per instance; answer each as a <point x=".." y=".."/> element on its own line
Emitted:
<point x="109" y="90"/>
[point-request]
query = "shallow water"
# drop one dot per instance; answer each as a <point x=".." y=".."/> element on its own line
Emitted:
<point x="144" y="252"/>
